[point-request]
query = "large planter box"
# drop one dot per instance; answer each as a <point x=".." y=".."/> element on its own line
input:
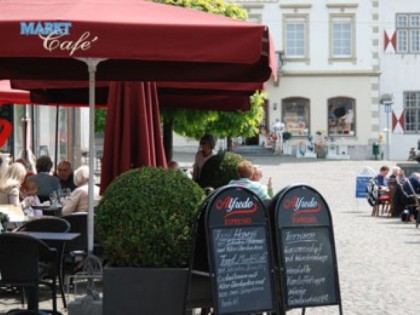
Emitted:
<point x="144" y="291"/>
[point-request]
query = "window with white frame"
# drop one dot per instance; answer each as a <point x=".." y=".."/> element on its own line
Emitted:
<point x="341" y="117"/>
<point x="295" y="29"/>
<point x="295" y="114"/>
<point x="408" y="33"/>
<point x="342" y="37"/>
<point x="412" y="112"/>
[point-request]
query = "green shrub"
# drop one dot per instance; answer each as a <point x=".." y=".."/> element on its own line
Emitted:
<point x="219" y="169"/>
<point x="145" y="218"/>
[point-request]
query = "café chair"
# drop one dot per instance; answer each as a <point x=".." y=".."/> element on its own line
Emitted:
<point x="51" y="224"/>
<point x="392" y="184"/>
<point x="20" y="266"/>
<point x="77" y="249"/>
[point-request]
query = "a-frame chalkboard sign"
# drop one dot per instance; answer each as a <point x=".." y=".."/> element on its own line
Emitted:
<point x="305" y="249"/>
<point x="239" y="250"/>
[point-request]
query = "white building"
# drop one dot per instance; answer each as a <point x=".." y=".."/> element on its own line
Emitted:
<point x="329" y="81"/>
<point x="340" y="58"/>
<point x="400" y="74"/>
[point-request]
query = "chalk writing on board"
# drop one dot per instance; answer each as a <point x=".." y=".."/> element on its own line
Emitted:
<point x="242" y="267"/>
<point x="308" y="259"/>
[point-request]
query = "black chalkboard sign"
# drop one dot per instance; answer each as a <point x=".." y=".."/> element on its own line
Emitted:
<point x="309" y="267"/>
<point x="305" y="248"/>
<point x="239" y="252"/>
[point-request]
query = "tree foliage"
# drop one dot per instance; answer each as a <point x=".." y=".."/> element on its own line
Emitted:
<point x="219" y="7"/>
<point x="195" y="123"/>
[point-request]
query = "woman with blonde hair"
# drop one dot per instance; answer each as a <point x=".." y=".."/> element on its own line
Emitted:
<point x="10" y="181"/>
<point x="78" y="201"/>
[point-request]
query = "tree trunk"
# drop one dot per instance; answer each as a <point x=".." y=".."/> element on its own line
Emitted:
<point x="168" y="140"/>
<point x="229" y="143"/>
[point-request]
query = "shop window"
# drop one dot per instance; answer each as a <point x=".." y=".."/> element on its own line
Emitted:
<point x="295" y="113"/>
<point x="341" y="117"/>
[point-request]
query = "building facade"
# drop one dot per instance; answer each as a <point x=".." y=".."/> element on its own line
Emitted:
<point x="400" y="75"/>
<point x="329" y="80"/>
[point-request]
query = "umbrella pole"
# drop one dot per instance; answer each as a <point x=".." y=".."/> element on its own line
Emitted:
<point x="92" y="64"/>
<point x="57" y="113"/>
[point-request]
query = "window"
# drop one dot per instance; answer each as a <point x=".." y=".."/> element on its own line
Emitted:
<point x="295" y="113"/>
<point x="295" y="37"/>
<point x="341" y="117"/>
<point x="412" y="112"/>
<point x="342" y="37"/>
<point x="408" y="33"/>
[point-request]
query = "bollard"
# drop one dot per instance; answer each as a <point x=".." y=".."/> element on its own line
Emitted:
<point x="375" y="150"/>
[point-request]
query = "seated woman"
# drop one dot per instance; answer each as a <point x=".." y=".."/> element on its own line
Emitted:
<point x="245" y="171"/>
<point x="78" y="200"/>
<point x="10" y="181"/>
<point x="256" y="177"/>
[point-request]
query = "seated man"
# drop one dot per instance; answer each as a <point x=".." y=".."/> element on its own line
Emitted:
<point x="45" y="182"/>
<point x="383" y="195"/>
<point x="65" y="175"/>
<point x="245" y="171"/>
<point x="412" y="188"/>
<point x="412" y="184"/>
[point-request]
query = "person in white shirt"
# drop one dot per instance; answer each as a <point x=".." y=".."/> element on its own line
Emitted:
<point x="78" y="200"/>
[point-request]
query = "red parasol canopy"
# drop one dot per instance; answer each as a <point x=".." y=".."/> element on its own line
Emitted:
<point x="190" y="95"/>
<point x="12" y="96"/>
<point x="127" y="40"/>
<point x="141" y="41"/>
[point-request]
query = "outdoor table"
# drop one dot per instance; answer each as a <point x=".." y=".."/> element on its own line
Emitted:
<point x="50" y="209"/>
<point x="51" y="236"/>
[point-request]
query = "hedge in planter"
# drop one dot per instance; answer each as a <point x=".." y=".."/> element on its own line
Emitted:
<point x="145" y="218"/>
<point x="220" y="169"/>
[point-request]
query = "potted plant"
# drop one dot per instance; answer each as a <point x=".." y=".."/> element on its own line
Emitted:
<point x="4" y="220"/>
<point x="144" y="222"/>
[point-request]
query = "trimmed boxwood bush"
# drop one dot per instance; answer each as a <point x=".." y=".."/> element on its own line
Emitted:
<point x="219" y="169"/>
<point x="145" y="218"/>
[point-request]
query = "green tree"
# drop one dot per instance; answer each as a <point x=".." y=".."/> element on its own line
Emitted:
<point x="195" y="123"/>
<point x="100" y="117"/>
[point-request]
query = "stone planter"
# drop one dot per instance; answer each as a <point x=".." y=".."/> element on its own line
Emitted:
<point x="144" y="291"/>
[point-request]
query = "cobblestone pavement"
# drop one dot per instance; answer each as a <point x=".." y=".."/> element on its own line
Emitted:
<point x="378" y="257"/>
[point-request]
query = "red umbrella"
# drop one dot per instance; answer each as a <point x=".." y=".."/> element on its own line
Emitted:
<point x="140" y="41"/>
<point x="12" y="96"/>
<point x="127" y="40"/>
<point x="191" y="95"/>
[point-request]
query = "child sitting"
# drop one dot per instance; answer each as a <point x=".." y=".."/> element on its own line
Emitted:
<point x="29" y="192"/>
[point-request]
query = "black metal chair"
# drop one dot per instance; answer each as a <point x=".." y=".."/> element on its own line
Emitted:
<point x="77" y="249"/>
<point x="51" y="224"/>
<point x="401" y="200"/>
<point x="20" y="266"/>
